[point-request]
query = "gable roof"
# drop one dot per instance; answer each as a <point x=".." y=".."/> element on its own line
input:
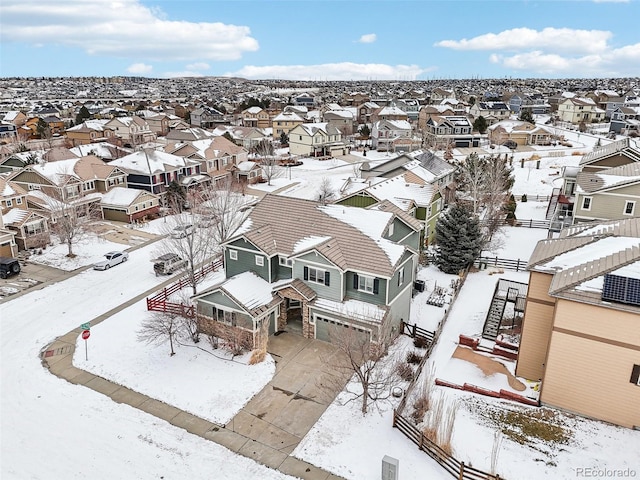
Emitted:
<point x="623" y="146"/>
<point x="608" y="179"/>
<point x="351" y="236"/>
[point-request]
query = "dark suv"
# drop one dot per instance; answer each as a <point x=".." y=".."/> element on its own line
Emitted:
<point x="9" y="266"/>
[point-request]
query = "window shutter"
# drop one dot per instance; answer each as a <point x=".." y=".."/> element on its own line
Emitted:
<point x="306" y="273"/>
<point x="399" y="273"/>
<point x="355" y="281"/>
<point x="376" y="285"/>
<point x="635" y="374"/>
<point x="327" y="278"/>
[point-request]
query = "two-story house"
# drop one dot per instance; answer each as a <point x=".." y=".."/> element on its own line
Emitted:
<point x="492" y="112"/>
<point x="206" y="117"/>
<point x="316" y="140"/>
<point x="153" y="170"/>
<point x="342" y="119"/>
<point x="88" y="132"/>
<point x="579" y="110"/>
<point x="366" y="111"/>
<point x="522" y="133"/>
<point x="580" y="332"/>
<point x="132" y="130"/>
<point x="285" y="122"/>
<point x="337" y="266"/>
<point x="255" y="117"/>
<point x="450" y="130"/>
<point x="392" y="136"/>
<point x="625" y="120"/>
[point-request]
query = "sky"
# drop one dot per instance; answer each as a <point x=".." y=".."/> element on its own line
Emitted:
<point x="321" y="40"/>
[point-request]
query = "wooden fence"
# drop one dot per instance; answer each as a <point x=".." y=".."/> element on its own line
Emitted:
<point x="527" y="223"/>
<point x="414" y="331"/>
<point x="453" y="466"/>
<point x="159" y="302"/>
<point x="508" y="263"/>
<point x="533" y="198"/>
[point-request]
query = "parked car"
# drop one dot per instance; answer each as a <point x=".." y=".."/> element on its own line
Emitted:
<point x="510" y="144"/>
<point x="9" y="266"/>
<point x="168" y="263"/>
<point x="111" y="260"/>
<point x="182" y="231"/>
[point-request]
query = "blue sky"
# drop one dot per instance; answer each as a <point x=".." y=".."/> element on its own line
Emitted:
<point x="321" y="39"/>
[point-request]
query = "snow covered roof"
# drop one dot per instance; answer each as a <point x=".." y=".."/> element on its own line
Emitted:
<point x="402" y="193"/>
<point x="355" y="235"/>
<point x="248" y="290"/>
<point x="151" y="162"/>
<point x="122" y="196"/>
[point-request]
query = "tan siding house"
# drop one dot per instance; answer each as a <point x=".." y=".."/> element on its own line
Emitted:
<point x="581" y="328"/>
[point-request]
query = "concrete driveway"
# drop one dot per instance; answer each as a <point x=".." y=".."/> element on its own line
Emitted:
<point x="281" y="414"/>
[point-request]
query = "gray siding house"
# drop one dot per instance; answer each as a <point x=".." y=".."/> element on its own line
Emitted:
<point x="312" y="270"/>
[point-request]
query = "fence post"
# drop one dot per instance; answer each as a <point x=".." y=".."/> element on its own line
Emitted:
<point x="413" y="331"/>
<point x="461" y="474"/>
<point x="496" y="262"/>
<point x="518" y="265"/>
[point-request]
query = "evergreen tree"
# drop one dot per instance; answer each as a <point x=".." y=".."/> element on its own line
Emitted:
<point x="284" y="139"/>
<point x="82" y="115"/>
<point x="458" y="239"/>
<point x="526" y="116"/>
<point x="365" y="131"/>
<point x="480" y="124"/>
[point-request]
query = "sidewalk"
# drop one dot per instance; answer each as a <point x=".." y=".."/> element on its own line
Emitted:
<point x="266" y="430"/>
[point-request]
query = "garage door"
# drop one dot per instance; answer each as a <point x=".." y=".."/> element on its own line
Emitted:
<point x="325" y="328"/>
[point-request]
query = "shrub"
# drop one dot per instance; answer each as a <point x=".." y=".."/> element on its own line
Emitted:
<point x="420" y="408"/>
<point x="404" y="371"/>
<point x="420" y="342"/>
<point x="413" y="357"/>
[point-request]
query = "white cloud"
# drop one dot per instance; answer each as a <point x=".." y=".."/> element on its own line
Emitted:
<point x="368" y="38"/>
<point x="332" y="71"/>
<point x="198" y="66"/>
<point x="139" y="68"/>
<point x="120" y="28"/>
<point x="620" y="62"/>
<point x="548" y="39"/>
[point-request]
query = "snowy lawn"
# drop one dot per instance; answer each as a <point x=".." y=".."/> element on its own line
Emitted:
<point x="198" y="379"/>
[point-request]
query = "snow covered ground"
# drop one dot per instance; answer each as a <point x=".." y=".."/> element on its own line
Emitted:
<point x="81" y="434"/>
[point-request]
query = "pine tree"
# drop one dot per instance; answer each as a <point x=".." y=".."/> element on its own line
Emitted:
<point x="458" y="239"/>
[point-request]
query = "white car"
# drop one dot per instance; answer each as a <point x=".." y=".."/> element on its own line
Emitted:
<point x="182" y="231"/>
<point x="111" y="260"/>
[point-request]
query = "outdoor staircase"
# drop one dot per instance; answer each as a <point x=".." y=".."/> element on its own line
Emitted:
<point x="553" y="202"/>
<point x="494" y="317"/>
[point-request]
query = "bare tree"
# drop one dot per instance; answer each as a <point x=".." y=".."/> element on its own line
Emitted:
<point x="159" y="327"/>
<point x="226" y="208"/>
<point x="470" y="179"/>
<point x="266" y="157"/>
<point x="497" y="182"/>
<point x="363" y="360"/>
<point x="326" y="192"/>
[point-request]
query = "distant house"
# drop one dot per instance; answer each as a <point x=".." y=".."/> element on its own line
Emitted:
<point x="206" y="117"/>
<point x="389" y="113"/>
<point x="89" y="131"/>
<point x="438" y="94"/>
<point x="341" y="267"/>
<point x="342" y="119"/>
<point x="522" y="133"/>
<point x="245" y="137"/>
<point x="316" y="140"/>
<point x="492" y="112"/>
<point x="132" y="130"/>
<point x="579" y="110"/>
<point x="8" y="245"/>
<point x="16" y="117"/>
<point x="285" y="122"/>
<point x="154" y="170"/>
<point x="428" y="111"/>
<point x="255" y="117"/>
<point x="580" y="332"/>
<point x="625" y="120"/>
<point x="304" y="100"/>
<point x="30" y="229"/>
<point x="456" y="131"/>
<point x="365" y="112"/>
<point x="392" y="136"/>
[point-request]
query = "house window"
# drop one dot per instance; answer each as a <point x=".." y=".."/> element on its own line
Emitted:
<point x="9" y="203"/>
<point x="391" y="229"/>
<point x="401" y="277"/>
<point x="233" y="254"/>
<point x="259" y="260"/>
<point x="285" y="262"/>
<point x="635" y="375"/>
<point x="586" y="203"/>
<point x="223" y="316"/>
<point x="317" y="276"/>
<point x="365" y="284"/>
<point x="629" y="207"/>
<point x="19" y="201"/>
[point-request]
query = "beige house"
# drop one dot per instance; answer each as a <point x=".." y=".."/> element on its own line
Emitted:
<point x="580" y="332"/>
<point x="89" y="131"/>
<point x="316" y="140"/>
<point x="8" y="246"/>
<point x="132" y="130"/>
<point x="256" y="117"/>
<point x="523" y="133"/>
<point x="129" y="204"/>
<point x="579" y="110"/>
<point x="284" y="123"/>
